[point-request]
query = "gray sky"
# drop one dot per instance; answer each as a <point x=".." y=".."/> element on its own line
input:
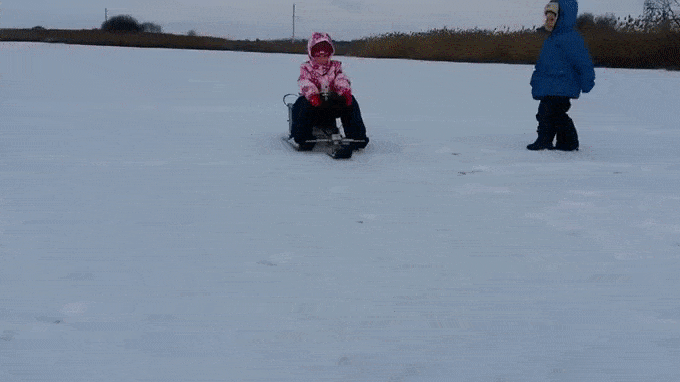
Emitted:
<point x="268" y="19"/>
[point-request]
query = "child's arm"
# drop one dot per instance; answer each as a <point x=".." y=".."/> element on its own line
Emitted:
<point x="579" y="57"/>
<point x="342" y="83"/>
<point x="307" y="87"/>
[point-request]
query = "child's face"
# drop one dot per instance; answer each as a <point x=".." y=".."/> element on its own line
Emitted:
<point x="321" y="57"/>
<point x="550" y="20"/>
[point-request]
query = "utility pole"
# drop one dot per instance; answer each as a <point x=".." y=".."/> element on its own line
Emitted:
<point x="106" y="14"/>
<point x="294" y="17"/>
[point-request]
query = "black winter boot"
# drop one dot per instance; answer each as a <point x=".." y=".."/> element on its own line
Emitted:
<point x="360" y="145"/>
<point x="567" y="138"/>
<point x="543" y="142"/>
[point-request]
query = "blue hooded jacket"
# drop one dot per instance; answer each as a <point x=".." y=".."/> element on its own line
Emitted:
<point x="564" y="67"/>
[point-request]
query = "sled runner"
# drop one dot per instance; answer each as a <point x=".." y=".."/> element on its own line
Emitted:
<point x="330" y="138"/>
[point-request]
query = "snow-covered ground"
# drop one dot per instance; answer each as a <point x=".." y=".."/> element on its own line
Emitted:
<point x="154" y="226"/>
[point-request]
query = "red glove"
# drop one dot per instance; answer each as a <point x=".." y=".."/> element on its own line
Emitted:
<point x="348" y="97"/>
<point x="315" y="100"/>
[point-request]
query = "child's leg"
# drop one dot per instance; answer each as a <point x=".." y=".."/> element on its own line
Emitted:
<point x="546" y="125"/>
<point x="567" y="137"/>
<point x="352" y="122"/>
<point x="304" y="117"/>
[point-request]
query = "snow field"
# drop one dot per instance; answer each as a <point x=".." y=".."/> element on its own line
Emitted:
<point x="155" y="227"/>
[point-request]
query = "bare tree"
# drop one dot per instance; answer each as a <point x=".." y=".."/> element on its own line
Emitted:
<point x="662" y="13"/>
<point x="122" y="23"/>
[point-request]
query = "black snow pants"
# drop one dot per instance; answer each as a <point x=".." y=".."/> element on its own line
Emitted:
<point x="553" y="121"/>
<point x="306" y="117"/>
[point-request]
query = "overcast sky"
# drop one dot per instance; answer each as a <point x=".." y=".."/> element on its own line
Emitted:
<point x="269" y="19"/>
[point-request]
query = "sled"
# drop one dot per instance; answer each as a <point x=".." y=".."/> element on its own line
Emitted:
<point x="331" y="138"/>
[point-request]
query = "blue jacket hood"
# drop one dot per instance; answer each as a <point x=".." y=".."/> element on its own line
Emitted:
<point x="566" y="20"/>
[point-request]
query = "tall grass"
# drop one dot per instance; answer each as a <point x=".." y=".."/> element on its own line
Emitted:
<point x="610" y="47"/>
<point x="634" y="49"/>
<point x="454" y="45"/>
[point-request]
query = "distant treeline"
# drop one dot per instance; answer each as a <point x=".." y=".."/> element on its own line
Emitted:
<point x="631" y="43"/>
<point x="148" y="40"/>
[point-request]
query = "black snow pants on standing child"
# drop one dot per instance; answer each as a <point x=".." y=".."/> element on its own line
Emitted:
<point x="553" y="121"/>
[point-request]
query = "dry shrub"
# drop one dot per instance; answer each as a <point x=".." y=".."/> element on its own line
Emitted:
<point x="609" y="47"/>
<point x="449" y="45"/>
<point x="635" y="49"/>
<point x="149" y="40"/>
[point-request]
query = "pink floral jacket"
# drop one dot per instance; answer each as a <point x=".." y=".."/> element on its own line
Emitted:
<point x="315" y="78"/>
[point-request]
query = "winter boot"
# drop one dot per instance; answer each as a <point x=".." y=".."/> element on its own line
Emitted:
<point x="543" y="142"/>
<point x="305" y="146"/>
<point x="360" y="145"/>
<point x="567" y="138"/>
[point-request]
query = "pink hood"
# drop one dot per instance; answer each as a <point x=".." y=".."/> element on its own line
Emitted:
<point x="318" y="38"/>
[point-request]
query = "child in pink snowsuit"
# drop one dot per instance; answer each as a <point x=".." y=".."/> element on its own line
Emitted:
<point x="325" y="94"/>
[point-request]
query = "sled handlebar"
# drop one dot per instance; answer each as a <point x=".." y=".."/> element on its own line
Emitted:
<point x="286" y="96"/>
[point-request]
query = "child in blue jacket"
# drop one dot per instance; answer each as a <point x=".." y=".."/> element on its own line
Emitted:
<point x="563" y="70"/>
